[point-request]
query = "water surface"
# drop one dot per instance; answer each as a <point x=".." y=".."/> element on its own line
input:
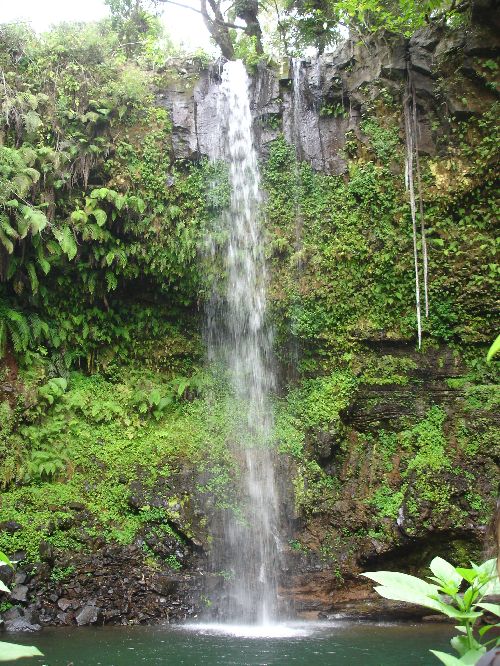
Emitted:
<point x="319" y="644"/>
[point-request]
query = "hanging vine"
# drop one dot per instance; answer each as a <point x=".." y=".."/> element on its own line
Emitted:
<point x="413" y="165"/>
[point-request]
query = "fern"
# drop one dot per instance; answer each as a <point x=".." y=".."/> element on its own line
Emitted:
<point x="67" y="241"/>
<point x="6" y="242"/>
<point x="7" y="228"/>
<point x="45" y="464"/>
<point x="111" y="281"/>
<point x="22" y="330"/>
<point x="33" y="278"/>
<point x="42" y="260"/>
<point x="18" y="328"/>
<point x="38" y="327"/>
<point x="36" y="219"/>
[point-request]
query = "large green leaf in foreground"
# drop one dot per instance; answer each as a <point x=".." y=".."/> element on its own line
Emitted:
<point x="11" y="651"/>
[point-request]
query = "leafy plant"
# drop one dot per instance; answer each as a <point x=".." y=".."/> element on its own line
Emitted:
<point x="60" y="573"/>
<point x="455" y="592"/>
<point x="173" y="562"/>
<point x="46" y="464"/>
<point x="53" y="389"/>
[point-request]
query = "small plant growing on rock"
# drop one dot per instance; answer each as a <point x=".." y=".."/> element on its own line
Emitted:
<point x="455" y="592"/>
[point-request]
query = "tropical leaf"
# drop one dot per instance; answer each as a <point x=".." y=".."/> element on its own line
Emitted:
<point x="494" y="349"/>
<point x="100" y="216"/>
<point x="445" y="572"/>
<point x="67" y="241"/>
<point x="36" y="219"/>
<point x="5" y="561"/>
<point x="404" y="582"/>
<point x="447" y="659"/>
<point x="491" y="608"/>
<point x="12" y="651"/>
<point x="6" y="242"/>
<point x="470" y="658"/>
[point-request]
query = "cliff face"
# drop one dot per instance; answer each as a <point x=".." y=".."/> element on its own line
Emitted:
<point x="445" y="66"/>
<point x="388" y="454"/>
<point x="407" y="467"/>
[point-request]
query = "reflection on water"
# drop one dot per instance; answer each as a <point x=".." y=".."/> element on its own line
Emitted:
<point x="318" y="644"/>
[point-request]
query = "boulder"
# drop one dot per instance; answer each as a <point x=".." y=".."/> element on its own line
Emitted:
<point x="46" y="551"/>
<point x="19" y="593"/>
<point x="10" y="526"/>
<point x="20" y="624"/>
<point x="64" y="604"/>
<point x="88" y="615"/>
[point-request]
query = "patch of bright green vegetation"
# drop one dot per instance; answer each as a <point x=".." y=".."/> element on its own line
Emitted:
<point x="104" y="440"/>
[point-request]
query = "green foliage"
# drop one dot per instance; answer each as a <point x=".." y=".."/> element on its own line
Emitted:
<point x="104" y="443"/>
<point x="317" y="23"/>
<point x="102" y="282"/>
<point x="246" y="49"/>
<point x="336" y="110"/>
<point x="320" y="401"/>
<point x="445" y="595"/>
<point x="173" y="562"/>
<point x="89" y="201"/>
<point x="59" y="574"/>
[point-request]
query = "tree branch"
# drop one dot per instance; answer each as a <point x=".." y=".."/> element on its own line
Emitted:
<point x="180" y="4"/>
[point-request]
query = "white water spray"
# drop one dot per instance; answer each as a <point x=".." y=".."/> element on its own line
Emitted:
<point x="238" y="336"/>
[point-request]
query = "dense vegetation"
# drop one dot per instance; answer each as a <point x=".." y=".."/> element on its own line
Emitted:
<point x="102" y="286"/>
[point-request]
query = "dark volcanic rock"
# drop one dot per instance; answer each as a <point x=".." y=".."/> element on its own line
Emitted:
<point x="46" y="552"/>
<point x="20" y="624"/>
<point x="10" y="526"/>
<point x="88" y="615"/>
<point x="19" y="593"/>
<point x="64" y="604"/>
<point x="377" y="609"/>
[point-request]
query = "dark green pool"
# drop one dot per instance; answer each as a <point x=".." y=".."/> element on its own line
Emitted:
<point x="320" y="644"/>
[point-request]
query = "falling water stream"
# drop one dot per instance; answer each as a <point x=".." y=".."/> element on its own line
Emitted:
<point x="238" y="335"/>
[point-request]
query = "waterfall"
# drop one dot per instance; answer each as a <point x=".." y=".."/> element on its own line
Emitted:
<point x="239" y="338"/>
<point x="296" y="105"/>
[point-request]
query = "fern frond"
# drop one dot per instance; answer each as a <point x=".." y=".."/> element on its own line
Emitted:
<point x="18" y="328"/>
<point x="6" y="242"/>
<point x="33" y="277"/>
<point x="7" y="228"/>
<point x="42" y="260"/>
